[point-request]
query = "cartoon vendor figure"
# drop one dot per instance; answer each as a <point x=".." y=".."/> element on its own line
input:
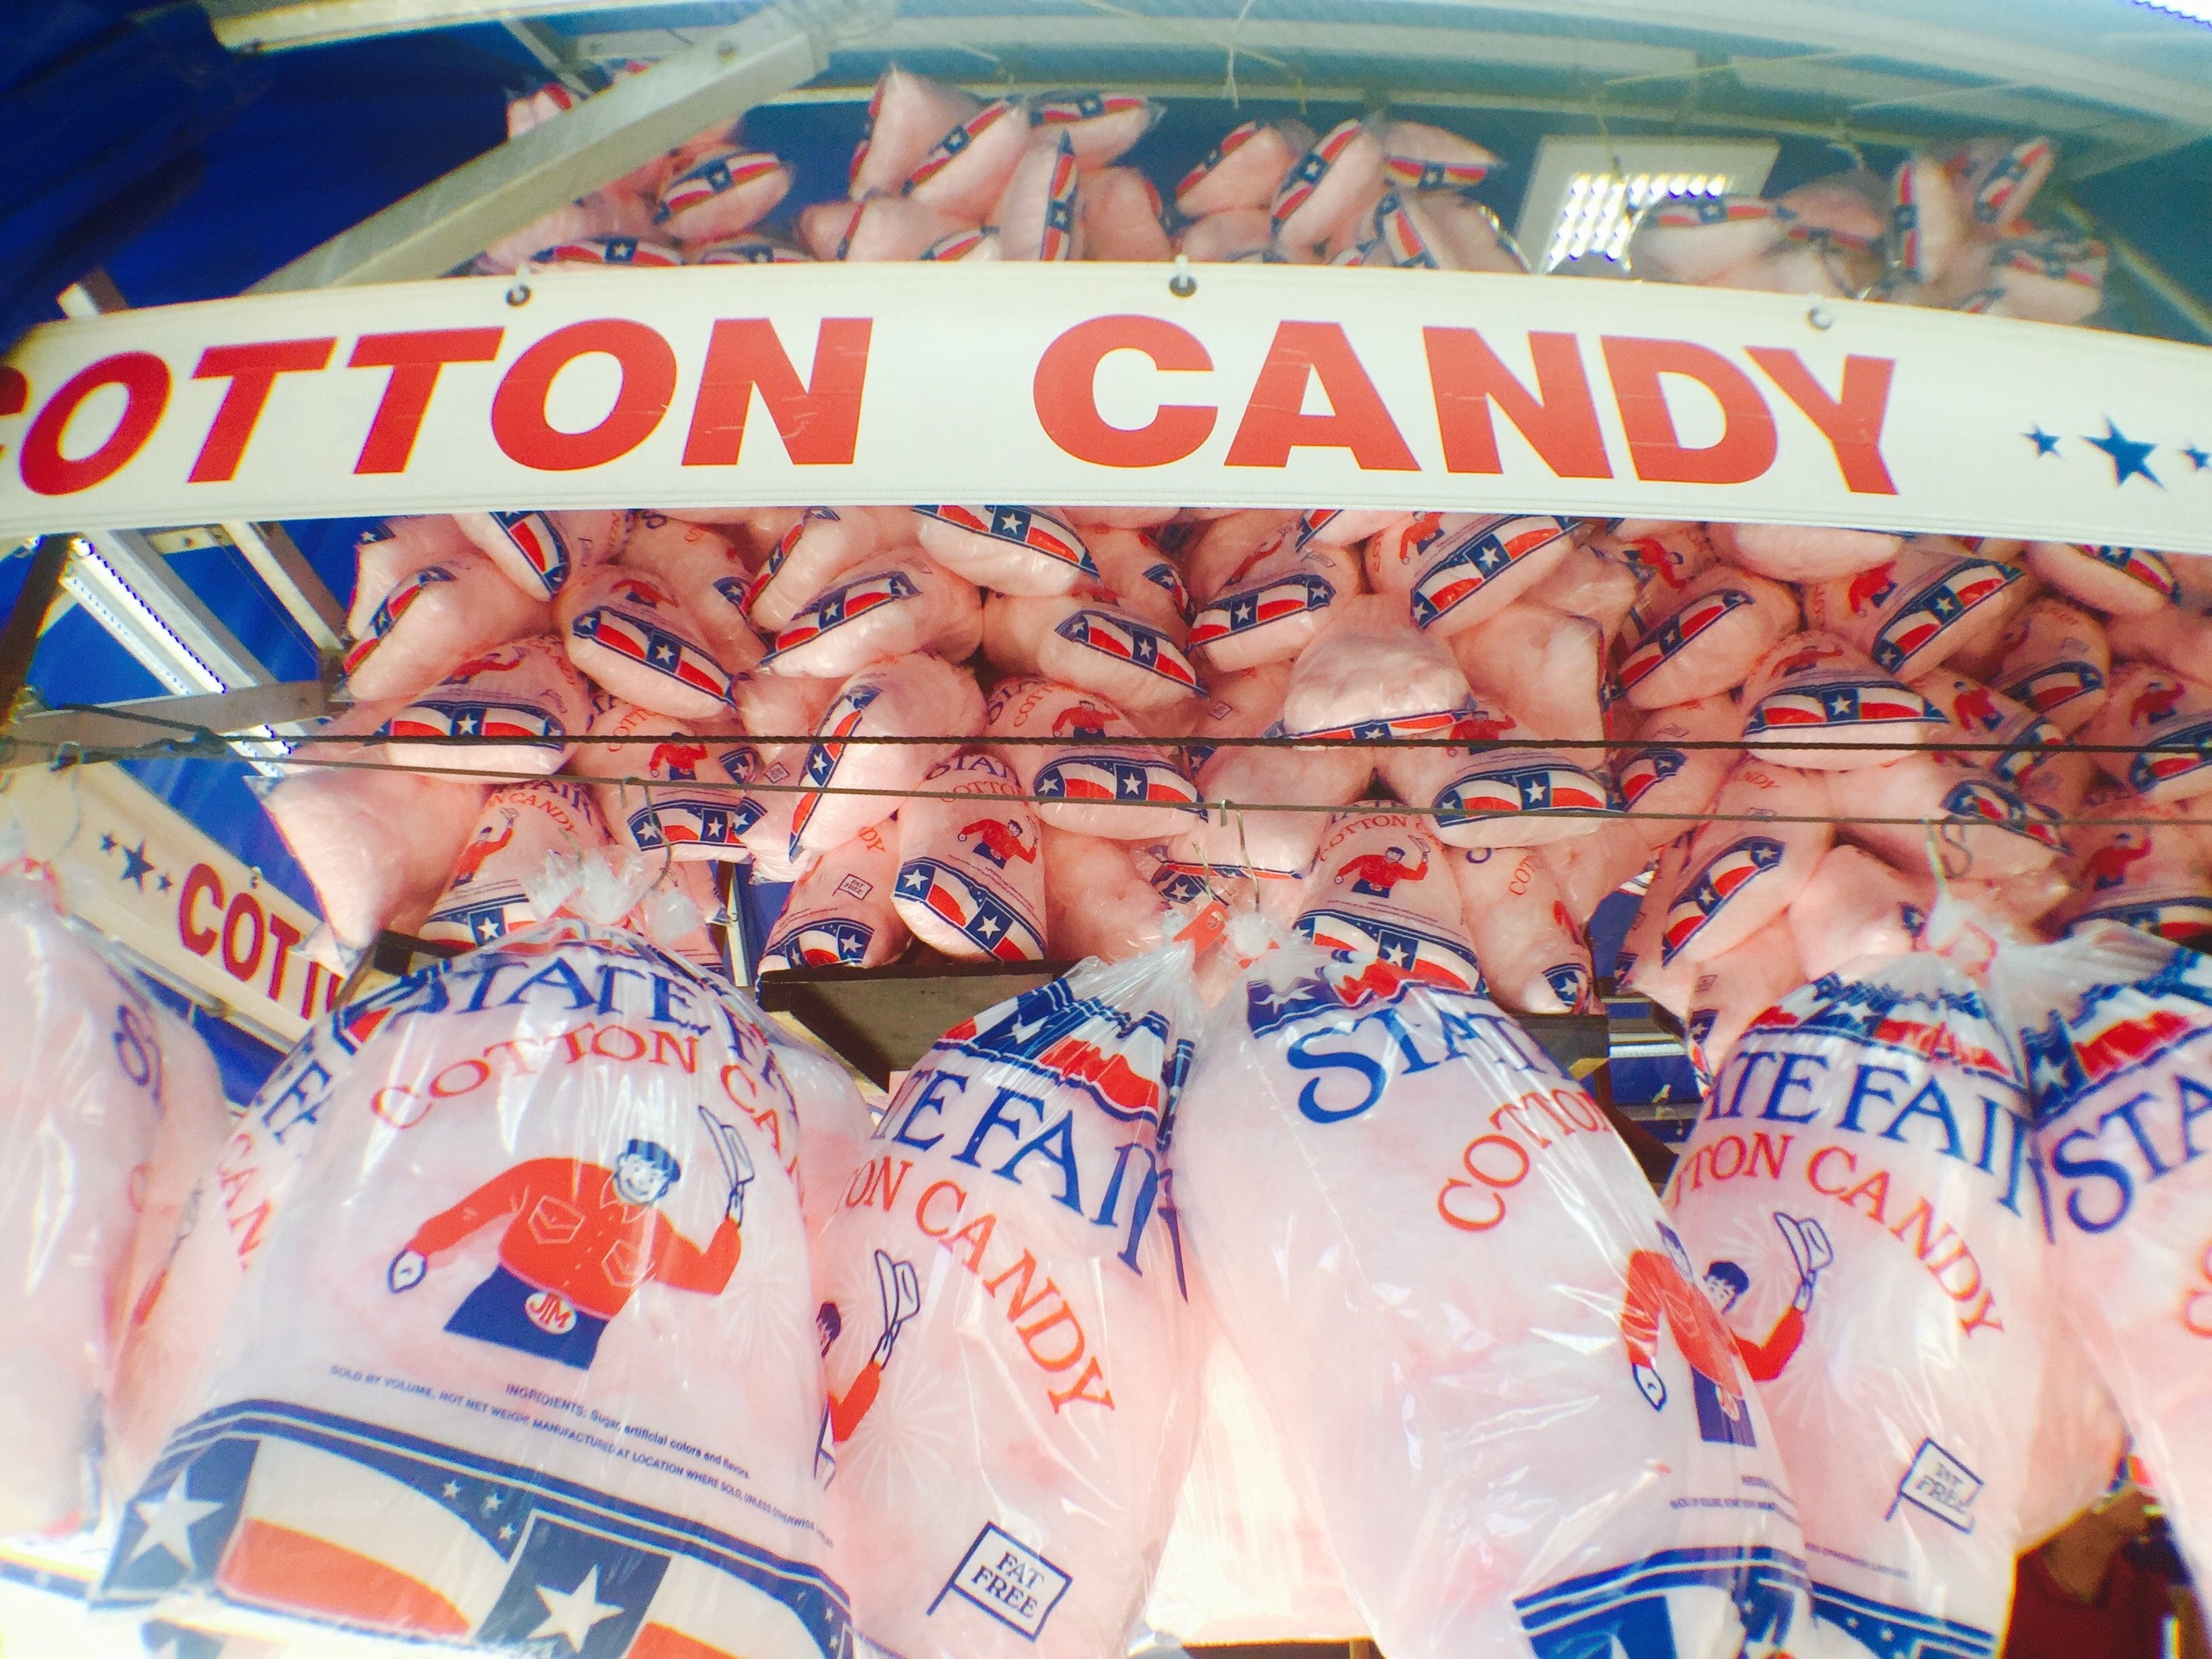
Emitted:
<point x="1660" y="1292"/>
<point x="580" y="1239"/>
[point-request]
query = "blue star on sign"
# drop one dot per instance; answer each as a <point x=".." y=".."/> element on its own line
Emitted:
<point x="135" y="866"/>
<point x="2197" y="458"/>
<point x="108" y="843"/>
<point x="2128" y="457"/>
<point x="2044" y="443"/>
<point x="1011" y="522"/>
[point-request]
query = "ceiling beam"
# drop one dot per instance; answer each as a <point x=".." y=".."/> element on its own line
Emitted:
<point x="451" y="219"/>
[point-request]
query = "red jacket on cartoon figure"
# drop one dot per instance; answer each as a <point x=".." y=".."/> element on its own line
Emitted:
<point x="568" y="1230"/>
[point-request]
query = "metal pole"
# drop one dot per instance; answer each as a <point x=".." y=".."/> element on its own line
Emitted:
<point x="19" y="638"/>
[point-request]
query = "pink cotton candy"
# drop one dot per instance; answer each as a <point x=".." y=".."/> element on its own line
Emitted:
<point x="1739" y="876"/>
<point x="1123" y="789"/>
<point x="966" y="170"/>
<point x="1040" y="216"/>
<point x="542" y="552"/>
<point x="1372" y="675"/>
<point x="2176" y="637"/>
<point x="631" y="252"/>
<point x="915" y="696"/>
<point x="1231" y="235"/>
<point x="1802" y="553"/>
<point x="1997" y="178"/>
<point x="1642" y="965"/>
<point x="338" y="823"/>
<point x="627" y="631"/>
<point x="1344" y="526"/>
<point x="601" y="213"/>
<point x="1475" y="1388"/>
<point x="1142" y="579"/>
<point x="723" y="193"/>
<point x="1928" y="224"/>
<point x="1382" y="890"/>
<point x="1983" y="830"/>
<point x="454" y="606"/>
<point x="2015" y="742"/>
<point x="1420" y="157"/>
<point x="1850" y="209"/>
<point x="690" y="807"/>
<point x="1541" y="666"/>
<point x="1104" y="648"/>
<point x="1523" y="793"/>
<point x="2154" y="876"/>
<point x="765" y="811"/>
<point x="879" y="229"/>
<point x="1263" y="843"/>
<point x="1664" y="554"/>
<point x="822" y="546"/>
<point x="753" y="248"/>
<point x="2045" y="278"/>
<point x="1121" y="218"/>
<point x="1669" y="778"/>
<point x="523" y="827"/>
<point x="1099" y="126"/>
<point x="1534" y="954"/>
<point x="1793" y="266"/>
<point x="971" y="876"/>
<point x="522" y="706"/>
<point x="1273" y="607"/>
<point x="707" y="575"/>
<point x="1439" y="230"/>
<point x="1706" y="641"/>
<point x="1063" y="1434"/>
<point x="1334" y="185"/>
<point x="1097" y="902"/>
<point x="840" y="912"/>
<point x="2155" y="706"/>
<point x="1589" y="869"/>
<point x="1243" y="171"/>
<point x="391" y="550"/>
<point x="2056" y="660"/>
<point x="877" y="612"/>
<point x="1734" y="988"/>
<point x="908" y="114"/>
<point x="81" y="1111"/>
<point x="1247" y="1561"/>
<point x="1818" y="691"/>
<point x="1220" y="556"/>
<point x="2120" y="581"/>
<point x="1466" y="576"/>
<point x="1599" y="586"/>
<point x="1855" y="906"/>
<point x="1697" y="238"/>
<point x="1841" y="1312"/>
<point x="784" y="708"/>
<point x="1009" y="550"/>
<point x="1933" y="602"/>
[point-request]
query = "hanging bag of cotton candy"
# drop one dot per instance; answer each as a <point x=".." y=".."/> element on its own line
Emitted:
<point x="1859" y="1200"/>
<point x="1006" y="1286"/>
<point x="1452" y="1300"/>
<point x="518" y="1222"/>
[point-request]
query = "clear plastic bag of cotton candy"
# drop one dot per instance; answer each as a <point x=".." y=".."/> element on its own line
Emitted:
<point x="1459" y="1301"/>
<point x="450" y="1348"/>
<point x="1859" y="1203"/>
<point x="96" y="1108"/>
<point x="1011" y="1359"/>
<point x="2114" y="1025"/>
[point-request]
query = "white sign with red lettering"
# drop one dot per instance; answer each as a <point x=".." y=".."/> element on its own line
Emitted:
<point x="142" y="874"/>
<point x="1265" y="386"/>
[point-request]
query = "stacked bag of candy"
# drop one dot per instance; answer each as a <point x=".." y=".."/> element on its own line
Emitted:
<point x="449" y="1348"/>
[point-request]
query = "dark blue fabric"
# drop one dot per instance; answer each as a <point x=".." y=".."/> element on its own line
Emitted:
<point x="102" y="137"/>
